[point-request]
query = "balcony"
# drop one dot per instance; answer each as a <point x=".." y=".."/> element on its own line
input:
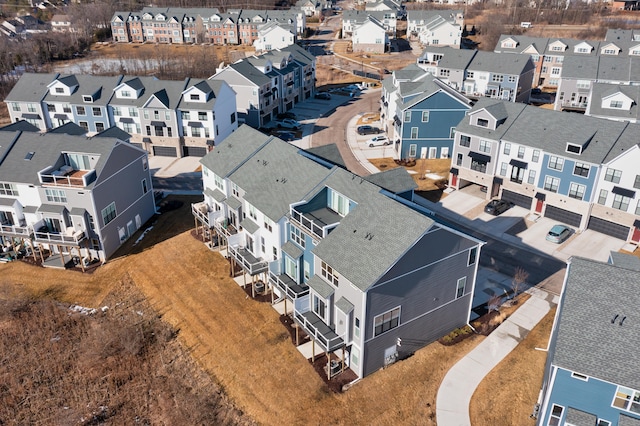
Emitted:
<point x="319" y="331"/>
<point x="70" y="237"/>
<point x="289" y="287"/>
<point x="67" y="176"/>
<point x="318" y="223"/>
<point x="251" y="264"/>
<point x="8" y="230"/>
<point x="205" y="215"/>
<point x="574" y="105"/>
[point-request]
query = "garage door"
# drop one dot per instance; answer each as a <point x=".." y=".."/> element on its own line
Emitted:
<point x="564" y="216"/>
<point x="517" y="199"/>
<point x="165" y="151"/>
<point x="194" y="151"/>
<point x="608" y="228"/>
<point x="137" y="144"/>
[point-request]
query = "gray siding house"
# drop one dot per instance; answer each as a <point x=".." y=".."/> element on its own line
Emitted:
<point x="25" y="101"/>
<point x="71" y="196"/>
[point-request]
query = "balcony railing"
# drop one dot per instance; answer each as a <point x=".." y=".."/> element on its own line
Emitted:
<point x="574" y="104"/>
<point x="79" y="178"/>
<point x="249" y="262"/>
<point x="288" y="286"/>
<point x="205" y="215"/>
<point x="14" y="230"/>
<point x="60" y="238"/>
<point x="319" y="331"/>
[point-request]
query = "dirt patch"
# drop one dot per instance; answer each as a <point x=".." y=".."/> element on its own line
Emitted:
<point x="419" y="169"/>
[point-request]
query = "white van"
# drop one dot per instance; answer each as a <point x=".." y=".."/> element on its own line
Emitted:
<point x="525" y="25"/>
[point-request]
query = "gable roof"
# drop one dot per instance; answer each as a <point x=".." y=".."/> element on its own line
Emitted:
<point x="88" y="85"/>
<point x="600" y="91"/>
<point x="31" y="87"/>
<point x="515" y="64"/>
<point x="590" y="339"/>
<point x="396" y="180"/>
<point x="509" y="109"/>
<point x="69" y="128"/>
<point x="22" y="126"/>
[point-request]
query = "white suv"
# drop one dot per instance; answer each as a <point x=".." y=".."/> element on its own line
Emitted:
<point x="378" y="141"/>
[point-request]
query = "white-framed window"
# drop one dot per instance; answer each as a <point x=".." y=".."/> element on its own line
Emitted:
<point x="356" y="327"/>
<point x="620" y="202"/>
<point x="319" y="306"/>
<point x="532" y="177"/>
<point x="253" y="213"/>
<point x="109" y="213"/>
<point x="268" y="223"/>
<point x="555" y="71"/>
<point x="556" y="415"/>
<point x="329" y="274"/>
<point x="581" y="169"/>
<point x="296" y="235"/>
<point x="551" y="183"/>
<point x="579" y="376"/>
<point x="503" y="169"/>
<point x="507" y="148"/>
<point x="485" y="146"/>
<point x="407" y="116"/>
<point x="536" y="156"/>
<point x="460" y="285"/>
<point x="425" y="116"/>
<point x="602" y="198"/>
<point x="55" y="195"/>
<point x="613" y="175"/>
<point x="386" y="321"/>
<point x="9" y="189"/>
<point x="218" y="182"/>
<point x="307" y="270"/>
<point x="638" y="208"/>
<point x="521" y="152"/>
<point x="473" y="256"/>
<point x="145" y="188"/>
<point x="465" y="141"/>
<point x="627" y="399"/>
<point x="499" y="78"/>
<point x="339" y="203"/>
<point x="413" y="149"/>
<point x="556" y="163"/>
<point x="355" y="356"/>
<point x="576" y="191"/>
<point x="414" y="133"/>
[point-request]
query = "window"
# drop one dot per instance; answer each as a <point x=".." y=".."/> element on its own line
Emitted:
<point x="56" y="195"/>
<point x="444" y="73"/>
<point x="536" y="156"/>
<point x="532" y="177"/>
<point x="65" y="108"/>
<point x="117" y="111"/>
<point x="15" y="106"/>
<point x="556" y="163"/>
<point x="339" y="203"/>
<point x="555" y="416"/>
<point x="613" y="175"/>
<point x="579" y="376"/>
<point x="479" y="165"/>
<point x="485" y="146"/>
<point x="167" y="115"/>
<point x="109" y="213"/>
<point x="638" y="208"/>
<point x="425" y="116"/>
<point x="507" y="148"/>
<point x="133" y="112"/>
<point x="482" y="122"/>
<point x="460" y="285"/>
<point x="195" y="97"/>
<point x="84" y="125"/>
<point x="195" y="132"/>
<point x="253" y="214"/>
<point x="202" y="116"/>
<point x="576" y="149"/>
<point x="627" y="399"/>
<point x="233" y="117"/>
<point x="499" y="78"/>
<point x="218" y="182"/>
<point x="465" y="140"/>
<point x="517" y="174"/>
<point x="145" y="163"/>
<point x="602" y="198"/>
<point x="407" y="116"/>
<point x="145" y="189"/>
<point x="307" y="270"/>
<point x="473" y="254"/>
<point x="620" y="202"/>
<point x="521" y="152"/>
<point x="329" y="274"/>
<point x="503" y="169"/>
<point x="555" y="71"/>
<point x="185" y="115"/>
<point x="602" y="422"/>
<point x="145" y="114"/>
<point x="356" y="327"/>
<point x="81" y="111"/>
<point x="8" y="189"/>
<point x="297" y="236"/>
<point x="576" y="191"/>
<point x="319" y="306"/>
<point x="413" y="149"/>
<point x="51" y="108"/>
<point x="470" y="75"/>
<point x="96" y="111"/>
<point x="414" y="133"/>
<point x="387" y="321"/>
<point x="262" y="246"/>
<point x="459" y="160"/>
<point x="59" y="90"/>
<point x="636" y="183"/>
<point x="99" y="126"/>
<point x="268" y="224"/>
<point x="581" y="169"/>
<point x="551" y="183"/>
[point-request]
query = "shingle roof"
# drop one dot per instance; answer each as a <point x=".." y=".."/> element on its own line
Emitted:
<point x="69" y="128"/>
<point x="396" y="180"/>
<point x="210" y="87"/>
<point x="452" y="58"/>
<point x="250" y="72"/>
<point x="31" y="87"/>
<point x="579" y="417"/>
<point x="22" y="125"/>
<point x="590" y="339"/>
<point x="329" y="152"/>
<point x="234" y="150"/>
<point x="513" y="109"/>
<point x="628" y="139"/>
<point x="624" y="420"/>
<point x="522" y="43"/>
<point x="625" y="261"/>
<point x="88" y="85"/>
<point x="515" y="64"/>
<point x="375" y="233"/>
<point x="166" y="91"/>
<point x="114" y="132"/>
<point x="602" y="90"/>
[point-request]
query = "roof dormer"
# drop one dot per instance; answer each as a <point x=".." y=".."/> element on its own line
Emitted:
<point x="64" y="86"/>
<point x="509" y="43"/>
<point x="557" y="46"/>
<point x="617" y="101"/>
<point x="583" y="47"/>
<point x="160" y="17"/>
<point x="610" y="49"/>
<point x="130" y="89"/>
<point x="634" y="50"/>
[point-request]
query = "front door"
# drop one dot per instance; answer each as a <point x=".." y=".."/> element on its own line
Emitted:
<point x="444" y="152"/>
<point x="636" y="235"/>
<point x="423" y="152"/>
<point x="454" y="180"/>
<point x="433" y="152"/>
<point x="539" y="204"/>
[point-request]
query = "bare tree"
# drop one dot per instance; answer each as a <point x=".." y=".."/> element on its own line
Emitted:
<point x="494" y="303"/>
<point x="518" y="281"/>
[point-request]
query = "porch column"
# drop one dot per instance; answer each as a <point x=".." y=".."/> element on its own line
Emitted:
<point x="328" y="366"/>
<point x="33" y="251"/>
<point x="61" y="255"/>
<point x="342" y="369"/>
<point x="313" y="350"/>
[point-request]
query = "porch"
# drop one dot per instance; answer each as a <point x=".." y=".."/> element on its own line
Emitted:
<point x="288" y="286"/>
<point x="319" y="331"/>
<point x="318" y="223"/>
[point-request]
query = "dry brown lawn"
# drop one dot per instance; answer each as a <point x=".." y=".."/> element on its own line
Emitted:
<point x="438" y="166"/>
<point x="237" y="340"/>
<point x="509" y="392"/>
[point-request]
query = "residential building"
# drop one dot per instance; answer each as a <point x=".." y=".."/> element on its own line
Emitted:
<point x="62" y="24"/>
<point x="71" y="196"/>
<point x="273" y="36"/>
<point x="310" y="7"/>
<point x="588" y="378"/>
<point x="352" y="19"/>
<point x="289" y="217"/>
<point x="435" y="27"/>
<point x="25" y="101"/>
<point x="424" y="115"/>
<point x="370" y="36"/>
<point x="477" y="73"/>
<point x="587" y="181"/>
<point x="614" y="102"/>
<point x="206" y="114"/>
<point x="80" y="99"/>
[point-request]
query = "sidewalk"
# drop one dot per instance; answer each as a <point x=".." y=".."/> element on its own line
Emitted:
<point x="458" y="386"/>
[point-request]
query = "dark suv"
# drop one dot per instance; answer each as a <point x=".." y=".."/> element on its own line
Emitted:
<point x="287" y="114"/>
<point x="368" y="130"/>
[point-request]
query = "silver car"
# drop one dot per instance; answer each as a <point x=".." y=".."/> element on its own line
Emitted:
<point x="559" y="233"/>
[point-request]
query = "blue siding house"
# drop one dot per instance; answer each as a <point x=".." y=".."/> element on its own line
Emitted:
<point x="591" y="376"/>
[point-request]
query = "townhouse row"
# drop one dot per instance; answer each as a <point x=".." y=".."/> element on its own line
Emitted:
<point x="204" y="25"/>
<point x="576" y="169"/>
<point x="71" y="196"/>
<point x="169" y="118"/>
<point x="435" y="27"/>
<point x="365" y="273"/>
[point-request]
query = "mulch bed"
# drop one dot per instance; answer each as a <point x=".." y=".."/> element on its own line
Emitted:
<point x="69" y="266"/>
<point x="288" y="323"/>
<point x="259" y="297"/>
<point x="338" y="381"/>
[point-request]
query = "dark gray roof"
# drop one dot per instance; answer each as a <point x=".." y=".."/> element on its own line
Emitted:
<point x="299" y="54"/>
<point x="624" y="420"/>
<point x="51" y="208"/>
<point x="246" y="69"/>
<point x="271" y="178"/>
<point x="396" y="180"/>
<point x="69" y="128"/>
<point x="455" y="59"/>
<point x="409" y="72"/>
<point x="515" y="64"/>
<point x="234" y="150"/>
<point x="114" y="132"/>
<point x="101" y="88"/>
<point x="22" y="125"/>
<point x="625" y="261"/>
<point x="166" y="91"/>
<point x="329" y="152"/>
<point x="617" y="68"/>
<point x="211" y="88"/>
<point x="551" y="130"/>
<point x="523" y="42"/>
<point x="392" y="227"/>
<point x="31" y="87"/>
<point x="233" y="203"/>
<point x="585" y="68"/>
<point x="579" y="417"/>
<point x="627" y="140"/>
<point x="602" y="90"/>
<point x="590" y="339"/>
<point x="47" y="149"/>
<point x="513" y="111"/>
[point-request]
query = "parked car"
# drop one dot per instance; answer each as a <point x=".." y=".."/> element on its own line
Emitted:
<point x="285" y="136"/>
<point x="287" y="114"/>
<point x="378" y="141"/>
<point x="368" y="130"/>
<point x="353" y="88"/>
<point x="536" y="91"/>
<point x="559" y="233"/>
<point x="497" y="207"/>
<point x="286" y="123"/>
<point x="323" y="95"/>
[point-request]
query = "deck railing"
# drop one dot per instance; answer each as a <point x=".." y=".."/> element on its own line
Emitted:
<point x="59" y="238"/>
<point x="291" y="293"/>
<point x="253" y="268"/>
<point x="15" y="230"/>
<point x="308" y="225"/>
<point x="327" y="344"/>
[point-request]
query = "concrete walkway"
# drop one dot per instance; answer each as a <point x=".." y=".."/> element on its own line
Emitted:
<point x="458" y="386"/>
